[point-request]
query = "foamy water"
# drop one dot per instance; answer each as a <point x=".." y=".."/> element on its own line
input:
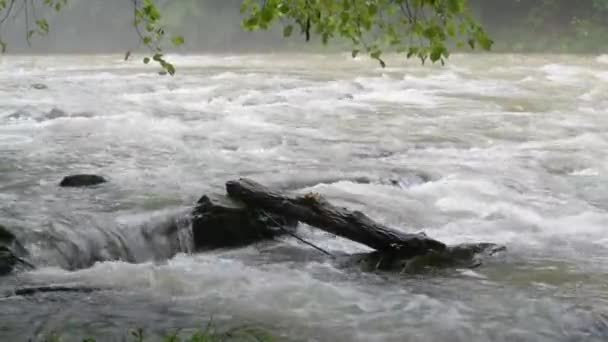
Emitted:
<point x="507" y="149"/>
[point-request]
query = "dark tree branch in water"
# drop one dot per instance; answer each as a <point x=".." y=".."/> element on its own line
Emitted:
<point x="33" y="290"/>
<point x="296" y="236"/>
<point x="317" y="212"/>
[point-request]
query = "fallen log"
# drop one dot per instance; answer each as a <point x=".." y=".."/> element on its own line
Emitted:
<point x="314" y="210"/>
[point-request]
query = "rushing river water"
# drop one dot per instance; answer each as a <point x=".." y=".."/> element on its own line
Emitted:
<point x="508" y="149"/>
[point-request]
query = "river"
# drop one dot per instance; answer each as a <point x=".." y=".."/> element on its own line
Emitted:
<point x="510" y="149"/>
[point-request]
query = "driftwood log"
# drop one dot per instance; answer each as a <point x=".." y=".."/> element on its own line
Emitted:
<point x="313" y="210"/>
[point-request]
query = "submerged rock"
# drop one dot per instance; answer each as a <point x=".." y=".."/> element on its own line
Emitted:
<point x="39" y="86"/>
<point x="221" y="222"/>
<point x="55" y="113"/>
<point x="82" y="180"/>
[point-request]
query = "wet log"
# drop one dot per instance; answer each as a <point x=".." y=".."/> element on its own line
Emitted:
<point x="315" y="211"/>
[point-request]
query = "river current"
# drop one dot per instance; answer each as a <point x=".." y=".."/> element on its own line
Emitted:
<point x="509" y="149"/>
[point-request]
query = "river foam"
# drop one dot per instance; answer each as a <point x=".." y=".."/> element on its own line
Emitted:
<point x="509" y="149"/>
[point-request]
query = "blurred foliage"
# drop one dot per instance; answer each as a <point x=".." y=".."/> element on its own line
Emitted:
<point x="417" y="28"/>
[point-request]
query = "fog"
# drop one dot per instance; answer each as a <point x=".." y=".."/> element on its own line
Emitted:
<point x="106" y="26"/>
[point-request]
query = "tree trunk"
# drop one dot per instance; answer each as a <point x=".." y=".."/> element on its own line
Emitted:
<point x="316" y="211"/>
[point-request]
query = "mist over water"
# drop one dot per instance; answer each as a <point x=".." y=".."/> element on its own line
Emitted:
<point x="510" y="149"/>
<point x="92" y="26"/>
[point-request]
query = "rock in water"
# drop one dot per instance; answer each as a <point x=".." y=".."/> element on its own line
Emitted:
<point x="10" y="252"/>
<point x="7" y="261"/>
<point x="6" y="237"/>
<point x="221" y="222"/>
<point x="39" y="86"/>
<point x="82" y="180"/>
<point x="55" y="113"/>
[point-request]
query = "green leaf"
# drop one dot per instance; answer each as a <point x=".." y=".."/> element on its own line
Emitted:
<point x="471" y="43"/>
<point x="284" y="8"/>
<point x="372" y="9"/>
<point x="170" y="68"/>
<point x="251" y="23"/>
<point x="456" y="6"/>
<point x="267" y="14"/>
<point x="436" y="53"/>
<point x="43" y="26"/>
<point x="177" y="40"/>
<point x="484" y="41"/>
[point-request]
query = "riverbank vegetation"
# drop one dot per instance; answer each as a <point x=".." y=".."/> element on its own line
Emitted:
<point x="210" y="334"/>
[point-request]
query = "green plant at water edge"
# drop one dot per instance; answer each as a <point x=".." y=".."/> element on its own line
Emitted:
<point x="416" y="28"/>
<point x="210" y="334"/>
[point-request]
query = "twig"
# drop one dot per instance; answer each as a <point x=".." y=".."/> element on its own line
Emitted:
<point x="27" y="24"/>
<point x="8" y="12"/>
<point x="294" y="235"/>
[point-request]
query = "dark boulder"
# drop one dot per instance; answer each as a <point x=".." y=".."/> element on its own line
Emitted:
<point x="221" y="222"/>
<point x="82" y="180"/>
<point x="11" y="252"/>
<point x="7" y="261"/>
<point x="6" y="237"/>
